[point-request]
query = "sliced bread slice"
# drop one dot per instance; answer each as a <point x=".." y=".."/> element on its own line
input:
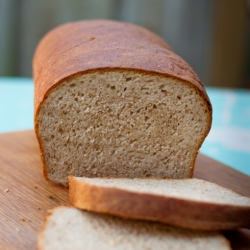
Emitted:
<point x="69" y="228"/>
<point x="188" y="203"/>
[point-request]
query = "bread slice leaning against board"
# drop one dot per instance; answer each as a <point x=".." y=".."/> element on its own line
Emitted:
<point x="113" y="100"/>
<point x="69" y="228"/>
<point x="188" y="203"/>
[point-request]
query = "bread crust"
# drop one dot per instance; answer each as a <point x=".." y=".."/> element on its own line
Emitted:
<point x="86" y="46"/>
<point x="174" y="211"/>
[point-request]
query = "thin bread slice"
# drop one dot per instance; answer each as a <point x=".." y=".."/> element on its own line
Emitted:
<point x="69" y="228"/>
<point x="188" y="203"/>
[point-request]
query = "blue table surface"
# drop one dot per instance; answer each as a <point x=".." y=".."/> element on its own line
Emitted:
<point x="227" y="142"/>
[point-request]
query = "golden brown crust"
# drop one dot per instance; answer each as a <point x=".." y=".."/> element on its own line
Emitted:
<point x="77" y="47"/>
<point x="174" y="211"/>
<point x="87" y="46"/>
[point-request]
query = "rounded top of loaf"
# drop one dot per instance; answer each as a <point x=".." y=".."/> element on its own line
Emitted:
<point x="83" y="46"/>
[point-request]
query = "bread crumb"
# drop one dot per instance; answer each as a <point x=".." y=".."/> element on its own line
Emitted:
<point x="6" y="190"/>
<point x="111" y="242"/>
<point x="22" y="219"/>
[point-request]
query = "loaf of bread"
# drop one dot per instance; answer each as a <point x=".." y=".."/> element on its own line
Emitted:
<point x="188" y="203"/>
<point x="69" y="228"/>
<point x="112" y="100"/>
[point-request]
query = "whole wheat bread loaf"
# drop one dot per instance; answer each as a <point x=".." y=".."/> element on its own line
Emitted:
<point x="69" y="228"/>
<point x="112" y="100"/>
<point x="188" y="203"/>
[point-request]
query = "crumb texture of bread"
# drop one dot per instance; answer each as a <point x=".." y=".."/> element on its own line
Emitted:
<point x="69" y="228"/>
<point x="121" y="124"/>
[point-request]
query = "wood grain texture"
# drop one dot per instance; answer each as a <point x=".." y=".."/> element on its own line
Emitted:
<point x="29" y="195"/>
<point x="214" y="171"/>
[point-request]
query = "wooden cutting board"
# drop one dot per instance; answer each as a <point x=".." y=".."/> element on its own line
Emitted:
<point x="25" y="196"/>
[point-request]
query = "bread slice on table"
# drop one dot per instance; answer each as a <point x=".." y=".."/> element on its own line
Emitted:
<point x="69" y="228"/>
<point x="112" y="99"/>
<point x="188" y="203"/>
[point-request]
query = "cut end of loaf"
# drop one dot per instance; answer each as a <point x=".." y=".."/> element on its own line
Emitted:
<point x="121" y="123"/>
